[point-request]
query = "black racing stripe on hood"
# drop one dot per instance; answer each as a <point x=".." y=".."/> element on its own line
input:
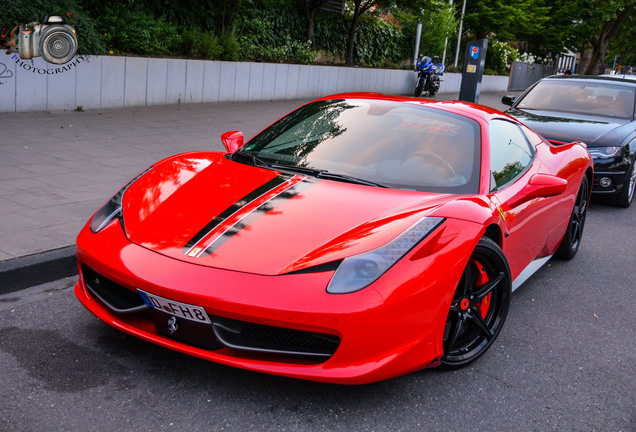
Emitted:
<point x="266" y="187"/>
<point x="257" y="213"/>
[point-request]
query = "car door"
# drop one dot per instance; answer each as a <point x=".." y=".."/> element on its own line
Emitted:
<point x="512" y="164"/>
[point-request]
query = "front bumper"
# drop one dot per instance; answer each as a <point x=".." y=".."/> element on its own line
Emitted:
<point x="393" y="327"/>
<point x="610" y="175"/>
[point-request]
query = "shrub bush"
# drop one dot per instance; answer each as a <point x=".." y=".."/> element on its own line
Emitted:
<point x="499" y="57"/>
<point x="133" y="30"/>
<point x="231" y="46"/>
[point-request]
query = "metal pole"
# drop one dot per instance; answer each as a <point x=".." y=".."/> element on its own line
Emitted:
<point x="418" y="34"/>
<point x="459" y="35"/>
<point x="446" y="39"/>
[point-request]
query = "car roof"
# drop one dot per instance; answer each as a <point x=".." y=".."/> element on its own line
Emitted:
<point x="459" y="107"/>
<point x="623" y="76"/>
<point x="590" y="78"/>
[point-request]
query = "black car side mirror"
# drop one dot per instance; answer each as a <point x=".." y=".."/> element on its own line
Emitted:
<point x="508" y="99"/>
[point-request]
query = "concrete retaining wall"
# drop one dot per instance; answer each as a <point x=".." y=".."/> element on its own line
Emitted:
<point x="112" y="82"/>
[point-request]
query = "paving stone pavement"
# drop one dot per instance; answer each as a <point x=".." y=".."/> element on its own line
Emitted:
<point x="57" y="168"/>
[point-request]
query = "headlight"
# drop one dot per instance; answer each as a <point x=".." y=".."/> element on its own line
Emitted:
<point x="604" y="152"/>
<point x="359" y="271"/>
<point x="113" y="208"/>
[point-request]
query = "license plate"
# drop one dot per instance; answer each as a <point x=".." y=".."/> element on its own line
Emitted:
<point x="181" y="310"/>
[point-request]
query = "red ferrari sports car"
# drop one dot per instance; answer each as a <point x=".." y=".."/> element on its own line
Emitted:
<point x="358" y="238"/>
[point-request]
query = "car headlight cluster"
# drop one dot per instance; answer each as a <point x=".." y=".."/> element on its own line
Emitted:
<point x="113" y="208"/>
<point x="359" y="271"/>
<point x="604" y="152"/>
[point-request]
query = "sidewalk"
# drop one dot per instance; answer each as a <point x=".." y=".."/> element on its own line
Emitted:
<point x="57" y="168"/>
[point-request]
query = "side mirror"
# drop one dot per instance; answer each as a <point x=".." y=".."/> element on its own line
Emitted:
<point x="508" y="99"/>
<point x="232" y="140"/>
<point x="545" y="185"/>
<point x="540" y="186"/>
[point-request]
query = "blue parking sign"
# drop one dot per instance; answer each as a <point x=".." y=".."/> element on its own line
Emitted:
<point x="474" y="52"/>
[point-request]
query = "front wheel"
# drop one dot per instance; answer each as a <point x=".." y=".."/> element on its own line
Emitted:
<point x="419" y="87"/>
<point x="479" y="307"/>
<point x="572" y="239"/>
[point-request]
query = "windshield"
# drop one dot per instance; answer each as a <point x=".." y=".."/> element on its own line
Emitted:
<point x="581" y="97"/>
<point x="396" y="144"/>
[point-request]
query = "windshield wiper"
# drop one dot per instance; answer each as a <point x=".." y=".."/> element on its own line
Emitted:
<point x="324" y="174"/>
<point x="349" y="179"/>
<point x="299" y="169"/>
<point x="256" y="161"/>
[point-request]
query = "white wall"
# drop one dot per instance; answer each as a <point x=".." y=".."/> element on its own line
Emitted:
<point x="110" y="82"/>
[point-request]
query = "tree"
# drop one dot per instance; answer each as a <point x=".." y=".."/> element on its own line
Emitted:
<point x="547" y="28"/>
<point x="439" y="24"/>
<point x="621" y="47"/>
<point x="504" y="20"/>
<point x="607" y="24"/>
<point x="311" y="8"/>
<point x="360" y="7"/>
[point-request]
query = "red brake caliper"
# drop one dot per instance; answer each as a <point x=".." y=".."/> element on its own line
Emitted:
<point x="482" y="279"/>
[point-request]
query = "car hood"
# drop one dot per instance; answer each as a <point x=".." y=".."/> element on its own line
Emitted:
<point x="208" y="210"/>
<point x="568" y="127"/>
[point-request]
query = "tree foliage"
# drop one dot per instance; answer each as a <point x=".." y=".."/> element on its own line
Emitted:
<point x="547" y="28"/>
<point x="621" y="48"/>
<point x="370" y="33"/>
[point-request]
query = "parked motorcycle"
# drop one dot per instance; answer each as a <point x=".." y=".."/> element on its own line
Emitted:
<point x="428" y="73"/>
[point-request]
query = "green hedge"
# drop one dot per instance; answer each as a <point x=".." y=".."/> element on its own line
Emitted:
<point x="249" y="30"/>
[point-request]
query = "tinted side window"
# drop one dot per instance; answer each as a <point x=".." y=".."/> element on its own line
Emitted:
<point x="510" y="153"/>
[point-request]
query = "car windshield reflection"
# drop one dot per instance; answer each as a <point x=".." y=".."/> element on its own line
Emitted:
<point x="581" y="97"/>
<point x="403" y="146"/>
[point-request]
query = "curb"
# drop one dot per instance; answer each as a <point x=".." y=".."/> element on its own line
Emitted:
<point x="36" y="269"/>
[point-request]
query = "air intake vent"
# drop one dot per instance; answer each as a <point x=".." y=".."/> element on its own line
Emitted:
<point x="246" y="336"/>
<point x="114" y="296"/>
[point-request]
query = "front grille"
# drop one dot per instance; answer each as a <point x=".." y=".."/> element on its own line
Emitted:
<point x="114" y="296"/>
<point x="246" y="336"/>
<point x="224" y="332"/>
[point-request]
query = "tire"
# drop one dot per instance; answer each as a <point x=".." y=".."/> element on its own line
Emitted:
<point x="572" y="238"/>
<point x="419" y="87"/>
<point x="434" y="87"/>
<point x="479" y="307"/>
<point x="625" y="197"/>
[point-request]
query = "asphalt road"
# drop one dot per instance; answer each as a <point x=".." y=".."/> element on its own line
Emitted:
<point x="564" y="361"/>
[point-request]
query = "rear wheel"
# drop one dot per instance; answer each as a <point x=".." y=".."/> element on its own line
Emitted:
<point x="572" y="239"/>
<point x="479" y="306"/>
<point x="434" y="87"/>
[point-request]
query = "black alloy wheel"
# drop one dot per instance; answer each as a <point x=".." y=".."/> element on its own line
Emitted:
<point x="479" y="307"/>
<point x="572" y="239"/>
